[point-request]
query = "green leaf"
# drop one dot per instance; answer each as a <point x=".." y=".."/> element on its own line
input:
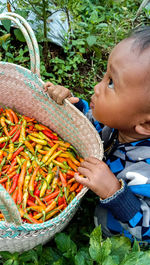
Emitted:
<point x="5" y="254"/>
<point x="110" y="261"/>
<point x="83" y="258"/>
<point x="7" y="24"/>
<point x="65" y="244"/>
<point x="136" y="246"/>
<point x="120" y="246"/>
<point x="28" y="256"/>
<point x="19" y="35"/>
<point x="91" y="40"/>
<point x="8" y="262"/>
<point x="95" y="244"/>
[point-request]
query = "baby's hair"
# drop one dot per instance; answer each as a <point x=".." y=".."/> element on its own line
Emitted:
<point x="141" y="36"/>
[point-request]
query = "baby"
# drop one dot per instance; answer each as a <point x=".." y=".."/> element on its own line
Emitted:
<point x="120" y="111"/>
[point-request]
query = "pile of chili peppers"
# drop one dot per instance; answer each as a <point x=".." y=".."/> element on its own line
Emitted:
<point x="36" y="167"/>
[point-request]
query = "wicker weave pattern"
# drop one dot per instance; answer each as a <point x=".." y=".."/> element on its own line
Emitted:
<point x="22" y="90"/>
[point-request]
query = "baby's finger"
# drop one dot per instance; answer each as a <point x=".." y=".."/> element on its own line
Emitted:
<point x="84" y="171"/>
<point x="81" y="180"/>
<point x="92" y="160"/>
<point x="73" y="100"/>
<point x="46" y="85"/>
<point x="63" y="94"/>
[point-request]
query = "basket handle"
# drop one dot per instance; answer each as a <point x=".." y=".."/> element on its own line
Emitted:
<point x="29" y="37"/>
<point x="9" y="208"/>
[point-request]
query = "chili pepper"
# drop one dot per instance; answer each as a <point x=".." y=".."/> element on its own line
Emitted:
<point x="53" y="156"/>
<point x="74" y="186"/>
<point x="31" y="184"/>
<point x="16" y="136"/>
<point x="41" y="127"/>
<point x="71" y="180"/>
<point x="50" y="152"/>
<point x="8" y="185"/>
<point x="2" y="163"/>
<point x="17" y="152"/>
<point x="50" y="135"/>
<point x="15" y="182"/>
<point x="48" y="209"/>
<point x="75" y="161"/>
<point x="31" y="219"/>
<point x="15" y="195"/>
<point x="29" y="146"/>
<point x="70" y="172"/>
<point x="64" y="144"/>
<point x="4" y="139"/>
<point x="21" y="181"/>
<point x="79" y="188"/>
<point x="30" y="203"/>
<point x="2" y="120"/>
<point x="11" y="150"/>
<point x="59" y="164"/>
<point x="14" y="116"/>
<point x="51" y="196"/>
<point x="63" y="179"/>
<point x="1" y="155"/>
<point x="2" y="145"/>
<point x="9" y="115"/>
<point x="25" y="156"/>
<point x="45" y="184"/>
<point x="25" y="198"/>
<point x="56" y="210"/>
<point x="37" y="208"/>
<point x="13" y="130"/>
<point x="40" y="202"/>
<point x="71" y="164"/>
<point x="71" y="197"/>
<point x="22" y="132"/>
<point x="28" y="119"/>
<point x="43" y="152"/>
<point x="26" y="182"/>
<point x="39" y="141"/>
<point x="18" y="160"/>
<point x="13" y="163"/>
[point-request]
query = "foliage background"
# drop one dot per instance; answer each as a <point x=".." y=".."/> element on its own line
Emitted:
<point x="96" y="27"/>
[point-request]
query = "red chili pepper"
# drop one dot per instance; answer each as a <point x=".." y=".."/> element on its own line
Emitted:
<point x="50" y="135"/>
<point x="79" y="188"/>
<point x="21" y="181"/>
<point x="63" y="179"/>
<point x="13" y="130"/>
<point x="14" y="185"/>
<point x="51" y="196"/>
<point x="30" y="203"/>
<point x="16" y="136"/>
<point x="17" y="152"/>
<point x="2" y="145"/>
<point x="37" y="192"/>
<point x="14" y="116"/>
<point x="15" y="195"/>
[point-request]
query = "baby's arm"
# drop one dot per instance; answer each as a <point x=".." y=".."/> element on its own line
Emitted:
<point x="126" y="204"/>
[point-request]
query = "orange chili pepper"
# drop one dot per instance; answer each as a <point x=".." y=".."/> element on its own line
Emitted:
<point x="56" y="210"/>
<point x="4" y="126"/>
<point x="74" y="186"/>
<point x="31" y="183"/>
<point x="14" y="116"/>
<point x="71" y="164"/>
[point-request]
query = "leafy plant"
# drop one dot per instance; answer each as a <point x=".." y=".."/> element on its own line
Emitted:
<point x="111" y="251"/>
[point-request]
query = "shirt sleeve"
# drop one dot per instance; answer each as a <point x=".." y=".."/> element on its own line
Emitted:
<point x="131" y="206"/>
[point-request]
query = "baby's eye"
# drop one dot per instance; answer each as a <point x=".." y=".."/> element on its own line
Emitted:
<point x="111" y="84"/>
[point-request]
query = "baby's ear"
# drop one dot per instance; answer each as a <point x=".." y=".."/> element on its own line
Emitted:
<point x="143" y="128"/>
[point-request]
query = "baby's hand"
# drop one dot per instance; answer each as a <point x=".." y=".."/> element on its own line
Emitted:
<point x="59" y="93"/>
<point x="98" y="177"/>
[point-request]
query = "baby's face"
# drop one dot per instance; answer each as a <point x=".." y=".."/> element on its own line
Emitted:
<point x="119" y="98"/>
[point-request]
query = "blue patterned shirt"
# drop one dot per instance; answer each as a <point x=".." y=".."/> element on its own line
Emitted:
<point x="128" y="210"/>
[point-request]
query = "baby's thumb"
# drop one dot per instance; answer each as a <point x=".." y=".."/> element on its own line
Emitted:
<point x="73" y="100"/>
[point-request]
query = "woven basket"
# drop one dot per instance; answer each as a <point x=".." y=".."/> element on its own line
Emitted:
<point x="22" y="90"/>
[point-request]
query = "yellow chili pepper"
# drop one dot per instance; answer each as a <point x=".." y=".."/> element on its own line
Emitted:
<point x="25" y="198"/>
<point x="22" y="132"/>
<point x="37" y="135"/>
<point x="37" y="140"/>
<point x="29" y="146"/>
<point x="50" y="152"/>
<point x="4" y="139"/>
<point x="11" y="150"/>
<point x="53" y="156"/>
<point x="59" y="164"/>
<point x="45" y="184"/>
